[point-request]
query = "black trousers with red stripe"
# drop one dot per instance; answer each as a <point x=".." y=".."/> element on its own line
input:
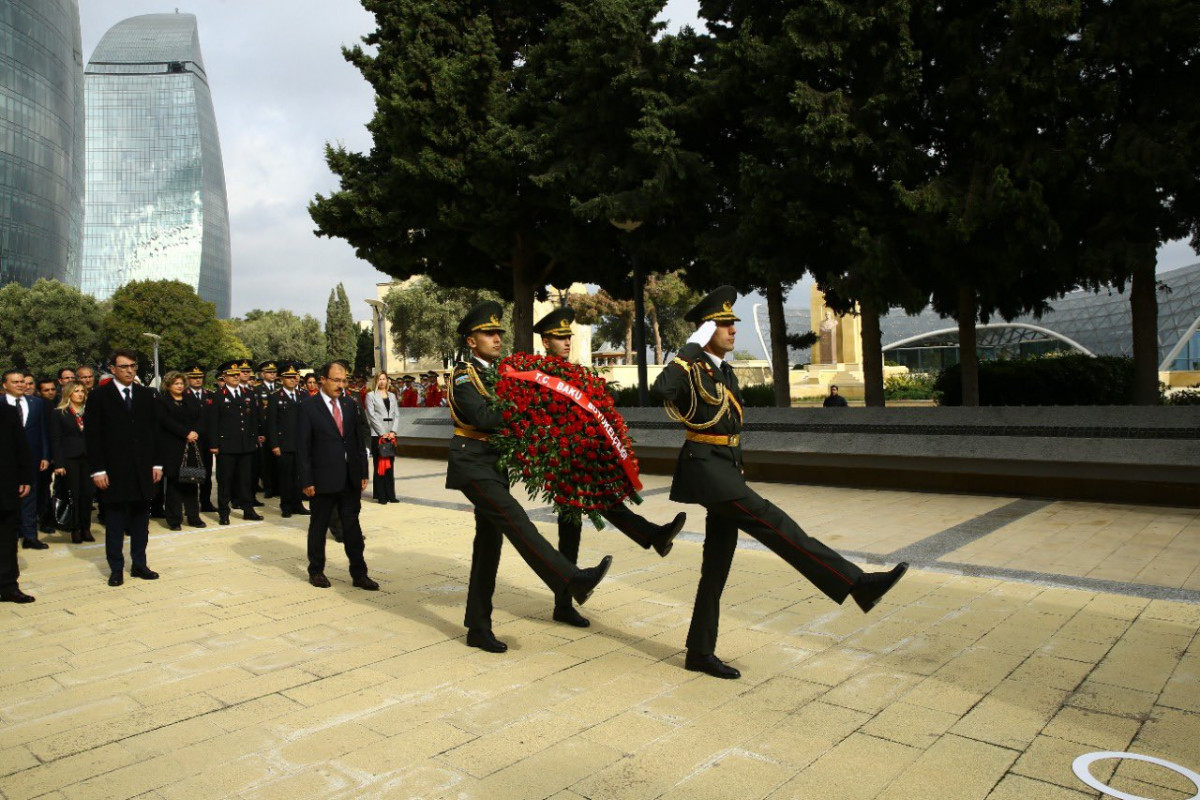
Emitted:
<point x="760" y="518"/>
<point x="498" y="514"/>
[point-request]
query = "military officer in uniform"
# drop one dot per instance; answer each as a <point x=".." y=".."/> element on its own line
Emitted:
<point x="281" y="437"/>
<point x="232" y="426"/>
<point x="701" y="391"/>
<point x="265" y="464"/>
<point x="195" y="380"/>
<point x="555" y="330"/>
<point x="473" y="470"/>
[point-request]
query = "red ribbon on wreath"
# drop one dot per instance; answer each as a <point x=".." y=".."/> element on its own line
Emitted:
<point x="580" y="398"/>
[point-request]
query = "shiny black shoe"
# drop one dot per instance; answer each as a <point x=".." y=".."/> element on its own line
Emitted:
<point x="710" y="665"/>
<point x="251" y="514"/>
<point x="319" y="580"/>
<point x="16" y="596"/>
<point x="301" y="511"/>
<point x="485" y="640"/>
<point x="87" y="536"/>
<point x="285" y="514"/>
<point x="34" y="544"/>
<point x="116" y="578"/>
<point x="872" y="586"/>
<point x="145" y="573"/>
<point x="197" y="523"/>
<point x="664" y="539"/>
<point x="174" y="527"/>
<point x="223" y="519"/>
<point x="571" y="616"/>
<point x="585" y="581"/>
<point x="363" y="582"/>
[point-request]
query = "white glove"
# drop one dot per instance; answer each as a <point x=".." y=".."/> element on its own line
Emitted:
<point x="703" y="334"/>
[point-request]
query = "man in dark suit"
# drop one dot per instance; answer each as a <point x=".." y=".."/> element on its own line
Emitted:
<point x="281" y="437"/>
<point x="16" y="477"/>
<point x="122" y="447"/>
<point x="231" y="427"/>
<point x="265" y="463"/>
<point x="555" y="330"/>
<point x="34" y="419"/>
<point x="701" y="391"/>
<point x="473" y="469"/>
<point x="195" y="380"/>
<point x="331" y="469"/>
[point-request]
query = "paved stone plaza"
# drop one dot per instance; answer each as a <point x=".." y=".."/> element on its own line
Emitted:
<point x="1028" y="633"/>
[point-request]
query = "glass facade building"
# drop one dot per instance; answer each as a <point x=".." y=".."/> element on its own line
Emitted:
<point x="156" y="206"/>
<point x="1099" y="323"/>
<point x="41" y="141"/>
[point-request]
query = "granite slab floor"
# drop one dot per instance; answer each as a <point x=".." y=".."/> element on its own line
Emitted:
<point x="1028" y="633"/>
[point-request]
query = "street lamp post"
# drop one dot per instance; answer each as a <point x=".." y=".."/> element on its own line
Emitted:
<point x="379" y="312"/>
<point x="155" y="380"/>
<point x="639" y="309"/>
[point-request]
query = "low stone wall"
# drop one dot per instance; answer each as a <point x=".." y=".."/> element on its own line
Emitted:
<point x="1118" y="454"/>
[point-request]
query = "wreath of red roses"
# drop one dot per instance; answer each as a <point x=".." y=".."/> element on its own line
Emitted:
<point x="562" y="436"/>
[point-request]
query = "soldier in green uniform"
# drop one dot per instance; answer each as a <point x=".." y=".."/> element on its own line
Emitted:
<point x="700" y="391"/>
<point x="555" y="330"/>
<point x="231" y="425"/>
<point x="473" y="470"/>
<point x="281" y="437"/>
<point x="266" y="467"/>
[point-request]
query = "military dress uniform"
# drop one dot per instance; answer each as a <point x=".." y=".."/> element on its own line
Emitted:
<point x="204" y="398"/>
<point x="232" y="426"/>
<point x="702" y="393"/>
<point x="472" y="468"/>
<point x="265" y="464"/>
<point x="280" y="430"/>
<point x="640" y="530"/>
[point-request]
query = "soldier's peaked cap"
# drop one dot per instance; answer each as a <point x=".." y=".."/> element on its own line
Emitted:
<point x="194" y="370"/>
<point x="484" y="317"/>
<point x="556" y="323"/>
<point x="290" y="369"/>
<point x="716" y="306"/>
<point x="229" y="366"/>
<point x="269" y="366"/>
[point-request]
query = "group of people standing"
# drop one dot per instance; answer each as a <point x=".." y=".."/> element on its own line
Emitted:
<point x="124" y="439"/>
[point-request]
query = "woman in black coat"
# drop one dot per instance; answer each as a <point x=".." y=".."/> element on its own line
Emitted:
<point x="181" y="426"/>
<point x="69" y="451"/>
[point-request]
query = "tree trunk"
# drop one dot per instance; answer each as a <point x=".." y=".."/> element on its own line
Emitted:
<point x="968" y="352"/>
<point x="523" y="289"/>
<point x="658" y="351"/>
<point x="1143" y="304"/>
<point x="629" y="342"/>
<point x="872" y="355"/>
<point x="780" y="374"/>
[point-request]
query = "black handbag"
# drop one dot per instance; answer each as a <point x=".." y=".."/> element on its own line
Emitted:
<point x="386" y="449"/>
<point x="191" y="473"/>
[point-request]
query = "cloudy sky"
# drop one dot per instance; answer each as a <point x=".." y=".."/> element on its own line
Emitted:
<point x="281" y="90"/>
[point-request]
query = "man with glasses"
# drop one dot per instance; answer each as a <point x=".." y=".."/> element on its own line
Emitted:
<point x="122" y="450"/>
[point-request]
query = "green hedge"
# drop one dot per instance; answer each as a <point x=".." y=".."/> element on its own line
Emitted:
<point x="1054" y="380"/>
<point x="912" y="386"/>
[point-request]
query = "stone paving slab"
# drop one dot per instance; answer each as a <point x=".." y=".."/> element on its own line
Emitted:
<point x="232" y="677"/>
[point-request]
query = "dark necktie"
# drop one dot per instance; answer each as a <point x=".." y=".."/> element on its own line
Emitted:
<point x="21" y="413"/>
<point x="337" y="416"/>
<point x="128" y="398"/>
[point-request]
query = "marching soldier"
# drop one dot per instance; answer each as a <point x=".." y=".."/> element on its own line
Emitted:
<point x="701" y="391"/>
<point x="555" y="329"/>
<point x="473" y="470"/>
<point x="265" y="465"/>
<point x="195" y="379"/>
<point x="281" y="437"/>
<point x="232" y="427"/>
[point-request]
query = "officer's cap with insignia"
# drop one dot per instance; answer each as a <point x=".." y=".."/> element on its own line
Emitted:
<point x="483" y="318"/>
<point x="245" y="366"/>
<point x="717" y="306"/>
<point x="290" y="369"/>
<point x="556" y="323"/>
<point x="409" y="378"/>
<point x="229" y="368"/>
<point x="193" y="371"/>
<point x="269" y="366"/>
